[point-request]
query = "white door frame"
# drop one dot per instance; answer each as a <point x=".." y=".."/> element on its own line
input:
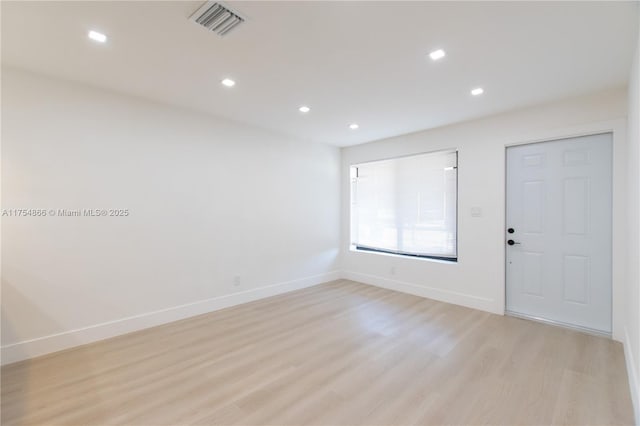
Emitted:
<point x="619" y="214"/>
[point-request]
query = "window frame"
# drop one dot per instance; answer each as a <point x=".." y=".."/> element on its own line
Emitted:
<point x="363" y="249"/>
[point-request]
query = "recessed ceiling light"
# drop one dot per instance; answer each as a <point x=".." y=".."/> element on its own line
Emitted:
<point x="437" y="54"/>
<point x="477" y="91"/>
<point x="228" y="82"/>
<point x="96" y="36"/>
<point x="304" y="108"/>
<point x="353" y="126"/>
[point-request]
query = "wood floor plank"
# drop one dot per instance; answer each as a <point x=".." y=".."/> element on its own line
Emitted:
<point x="341" y="353"/>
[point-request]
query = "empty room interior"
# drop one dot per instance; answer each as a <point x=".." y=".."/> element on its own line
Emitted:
<point x="320" y="213"/>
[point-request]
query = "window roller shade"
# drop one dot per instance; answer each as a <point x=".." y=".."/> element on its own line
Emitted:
<point x="406" y="205"/>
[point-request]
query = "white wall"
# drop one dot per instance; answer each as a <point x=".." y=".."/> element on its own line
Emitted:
<point x="208" y="199"/>
<point x="632" y="322"/>
<point x="477" y="280"/>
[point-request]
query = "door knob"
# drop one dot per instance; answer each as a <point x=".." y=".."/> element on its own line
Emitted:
<point x="511" y="242"/>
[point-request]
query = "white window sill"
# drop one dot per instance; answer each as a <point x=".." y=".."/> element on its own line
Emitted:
<point x="403" y="256"/>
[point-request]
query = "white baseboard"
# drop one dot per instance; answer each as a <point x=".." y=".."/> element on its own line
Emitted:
<point x="68" y="339"/>
<point x="633" y="376"/>
<point x="475" y="302"/>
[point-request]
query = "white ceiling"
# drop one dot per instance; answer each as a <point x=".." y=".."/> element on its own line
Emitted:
<point x="364" y="62"/>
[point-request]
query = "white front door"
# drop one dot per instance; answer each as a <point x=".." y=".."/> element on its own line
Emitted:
<point x="558" y="232"/>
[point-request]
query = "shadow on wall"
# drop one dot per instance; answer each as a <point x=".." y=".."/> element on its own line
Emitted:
<point x="27" y="386"/>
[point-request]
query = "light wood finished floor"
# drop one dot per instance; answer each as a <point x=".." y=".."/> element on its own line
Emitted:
<point x="340" y="353"/>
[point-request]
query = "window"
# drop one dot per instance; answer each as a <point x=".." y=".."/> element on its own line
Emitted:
<point x="406" y="205"/>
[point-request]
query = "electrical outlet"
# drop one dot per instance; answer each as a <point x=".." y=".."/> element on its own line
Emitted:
<point x="236" y="280"/>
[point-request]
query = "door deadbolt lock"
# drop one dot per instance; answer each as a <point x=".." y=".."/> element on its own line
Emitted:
<point x="511" y="242"/>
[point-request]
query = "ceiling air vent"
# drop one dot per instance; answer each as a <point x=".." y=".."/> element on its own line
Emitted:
<point x="216" y="17"/>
